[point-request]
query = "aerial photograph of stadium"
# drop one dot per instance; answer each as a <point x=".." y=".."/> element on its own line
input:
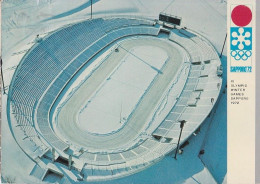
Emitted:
<point x="114" y="91"/>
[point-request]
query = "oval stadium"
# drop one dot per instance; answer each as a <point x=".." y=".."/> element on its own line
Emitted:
<point x="108" y="97"/>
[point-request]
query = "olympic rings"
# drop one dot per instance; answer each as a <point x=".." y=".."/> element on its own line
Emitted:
<point x="241" y="54"/>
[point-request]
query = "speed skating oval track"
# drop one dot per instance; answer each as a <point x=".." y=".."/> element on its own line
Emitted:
<point x="44" y="119"/>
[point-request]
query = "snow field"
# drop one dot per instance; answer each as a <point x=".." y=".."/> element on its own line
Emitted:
<point x="112" y="103"/>
<point x="69" y="130"/>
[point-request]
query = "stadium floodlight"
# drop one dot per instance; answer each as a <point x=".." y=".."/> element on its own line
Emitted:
<point x="182" y="122"/>
<point x="1" y="65"/>
<point x="223" y="46"/>
<point x="91" y="9"/>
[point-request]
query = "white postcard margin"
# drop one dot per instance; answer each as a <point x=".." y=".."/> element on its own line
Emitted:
<point x="240" y="111"/>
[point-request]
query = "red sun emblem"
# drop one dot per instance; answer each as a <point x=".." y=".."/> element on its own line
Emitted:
<point x="241" y="15"/>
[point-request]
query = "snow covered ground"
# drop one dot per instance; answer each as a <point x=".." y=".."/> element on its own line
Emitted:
<point x="68" y="112"/>
<point x="187" y="169"/>
<point x="23" y="20"/>
<point x="118" y="95"/>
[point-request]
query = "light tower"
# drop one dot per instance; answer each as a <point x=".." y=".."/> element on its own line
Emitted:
<point x="182" y="122"/>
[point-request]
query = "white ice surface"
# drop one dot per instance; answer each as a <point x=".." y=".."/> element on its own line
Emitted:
<point x="110" y="106"/>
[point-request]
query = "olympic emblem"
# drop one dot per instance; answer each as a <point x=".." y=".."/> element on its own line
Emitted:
<point x="241" y="34"/>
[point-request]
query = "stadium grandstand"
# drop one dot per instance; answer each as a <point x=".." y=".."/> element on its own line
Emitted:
<point x="45" y="104"/>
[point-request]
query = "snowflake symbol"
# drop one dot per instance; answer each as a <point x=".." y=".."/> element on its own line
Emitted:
<point x="241" y="38"/>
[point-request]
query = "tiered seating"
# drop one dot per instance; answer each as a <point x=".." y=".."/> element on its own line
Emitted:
<point x="188" y="44"/>
<point x="130" y="156"/>
<point x="57" y="58"/>
<point x="38" y="172"/>
<point x="207" y="51"/>
<point x="96" y="169"/>
<point x="188" y="106"/>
